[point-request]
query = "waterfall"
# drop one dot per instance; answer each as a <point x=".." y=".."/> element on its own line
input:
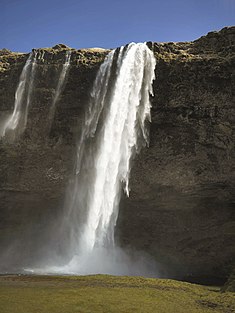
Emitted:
<point x="114" y="130"/>
<point x="60" y="84"/>
<point x="17" y="122"/>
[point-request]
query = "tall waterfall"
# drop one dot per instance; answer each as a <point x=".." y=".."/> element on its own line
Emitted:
<point x="60" y="84"/>
<point x="17" y="122"/>
<point x="114" y="130"/>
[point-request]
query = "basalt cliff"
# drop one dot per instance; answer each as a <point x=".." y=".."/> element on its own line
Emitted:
<point x="181" y="204"/>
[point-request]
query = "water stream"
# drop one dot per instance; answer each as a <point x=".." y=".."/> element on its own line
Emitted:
<point x="16" y="123"/>
<point x="60" y="85"/>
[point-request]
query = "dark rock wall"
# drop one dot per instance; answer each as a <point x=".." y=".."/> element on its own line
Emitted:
<point x="35" y="169"/>
<point x="182" y="199"/>
<point x="181" y="205"/>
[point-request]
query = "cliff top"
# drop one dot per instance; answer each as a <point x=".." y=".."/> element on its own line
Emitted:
<point x="216" y="44"/>
<point x="214" y="40"/>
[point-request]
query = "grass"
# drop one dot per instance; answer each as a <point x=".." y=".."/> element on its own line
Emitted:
<point x="111" y="294"/>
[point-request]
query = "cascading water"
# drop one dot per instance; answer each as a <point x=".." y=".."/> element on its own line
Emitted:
<point x="113" y="132"/>
<point x="117" y="123"/>
<point x="60" y="84"/>
<point x="17" y="122"/>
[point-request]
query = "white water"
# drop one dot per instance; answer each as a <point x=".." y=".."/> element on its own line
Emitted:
<point x="17" y="122"/>
<point x="60" y="84"/>
<point x="123" y="127"/>
<point x="114" y="131"/>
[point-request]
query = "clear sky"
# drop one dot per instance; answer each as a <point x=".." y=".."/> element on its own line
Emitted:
<point x="27" y="24"/>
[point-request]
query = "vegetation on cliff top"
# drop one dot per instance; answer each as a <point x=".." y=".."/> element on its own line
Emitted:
<point x="54" y="55"/>
<point x="214" y="44"/>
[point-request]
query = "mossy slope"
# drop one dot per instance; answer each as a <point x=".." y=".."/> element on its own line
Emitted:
<point x="101" y="293"/>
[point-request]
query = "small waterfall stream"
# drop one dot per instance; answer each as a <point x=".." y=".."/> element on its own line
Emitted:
<point x="17" y="122"/>
<point x="60" y="85"/>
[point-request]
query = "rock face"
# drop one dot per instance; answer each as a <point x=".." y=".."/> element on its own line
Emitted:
<point x="182" y="199"/>
<point x="230" y="283"/>
<point x="181" y="205"/>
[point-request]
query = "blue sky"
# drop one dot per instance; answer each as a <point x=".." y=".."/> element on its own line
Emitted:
<point x="27" y="24"/>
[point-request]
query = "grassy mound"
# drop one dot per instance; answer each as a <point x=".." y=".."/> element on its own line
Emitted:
<point x="103" y="293"/>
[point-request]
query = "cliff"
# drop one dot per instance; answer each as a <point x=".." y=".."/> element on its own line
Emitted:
<point x="181" y="205"/>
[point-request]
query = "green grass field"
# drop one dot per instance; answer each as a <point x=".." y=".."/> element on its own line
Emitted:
<point x="107" y="294"/>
